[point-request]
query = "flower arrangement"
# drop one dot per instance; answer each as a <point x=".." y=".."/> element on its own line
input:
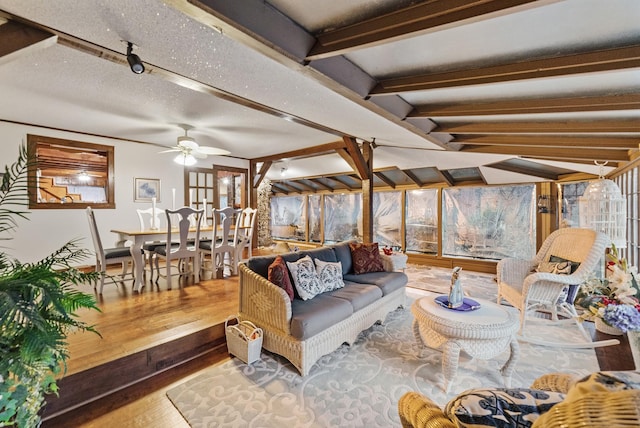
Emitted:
<point x="613" y="299"/>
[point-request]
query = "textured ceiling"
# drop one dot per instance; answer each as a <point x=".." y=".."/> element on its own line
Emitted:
<point x="237" y="74"/>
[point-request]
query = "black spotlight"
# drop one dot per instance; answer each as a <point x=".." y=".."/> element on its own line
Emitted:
<point x="134" y="60"/>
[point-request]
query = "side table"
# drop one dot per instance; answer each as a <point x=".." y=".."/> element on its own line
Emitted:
<point x="394" y="261"/>
<point x="483" y="333"/>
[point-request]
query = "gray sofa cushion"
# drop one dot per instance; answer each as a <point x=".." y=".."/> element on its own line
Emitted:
<point x="359" y="295"/>
<point x="310" y="317"/>
<point x="387" y="281"/>
<point x="343" y="254"/>
<point x="326" y="254"/>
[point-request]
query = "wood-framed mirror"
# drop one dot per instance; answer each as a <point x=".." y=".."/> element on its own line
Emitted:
<point x="66" y="174"/>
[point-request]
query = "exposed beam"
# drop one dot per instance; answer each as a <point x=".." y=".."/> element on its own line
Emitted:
<point x="347" y="158"/>
<point x="532" y="106"/>
<point x="358" y="159"/>
<point x="412" y="177"/>
<point x="321" y="184"/>
<point x="280" y="186"/>
<point x="19" y="39"/>
<point x="404" y="23"/>
<point x="447" y="178"/>
<point x="260" y="175"/>
<point x="339" y="181"/>
<point x="303" y="153"/>
<point x="520" y="169"/>
<point x="367" y="194"/>
<point x="305" y="185"/>
<point x="554" y="126"/>
<point x="550" y="141"/>
<point x="589" y="62"/>
<point x="356" y="177"/>
<point x="555" y="153"/>
<point x="385" y="179"/>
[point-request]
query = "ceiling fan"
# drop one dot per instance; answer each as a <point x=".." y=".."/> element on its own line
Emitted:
<point x="189" y="150"/>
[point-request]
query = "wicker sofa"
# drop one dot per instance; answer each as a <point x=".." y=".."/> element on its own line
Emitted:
<point x="302" y="331"/>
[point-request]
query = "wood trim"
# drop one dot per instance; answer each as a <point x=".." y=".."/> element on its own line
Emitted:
<point x="404" y="23"/>
<point x="588" y="62"/>
<point x="556" y="126"/>
<point x="590" y="142"/>
<point x="553" y="153"/>
<point x="532" y="105"/>
<point x="362" y="168"/>
<point x="303" y="153"/>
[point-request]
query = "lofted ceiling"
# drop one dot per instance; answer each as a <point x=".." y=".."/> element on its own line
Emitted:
<point x="445" y="91"/>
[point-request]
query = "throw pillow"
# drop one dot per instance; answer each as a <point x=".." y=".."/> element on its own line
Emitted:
<point x="556" y="259"/>
<point x="500" y="407"/>
<point x="305" y="278"/>
<point x="561" y="268"/>
<point x="366" y="258"/>
<point x="330" y="274"/>
<point x="279" y="275"/>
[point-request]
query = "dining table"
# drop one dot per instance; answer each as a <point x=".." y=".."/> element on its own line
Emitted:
<point x="139" y="237"/>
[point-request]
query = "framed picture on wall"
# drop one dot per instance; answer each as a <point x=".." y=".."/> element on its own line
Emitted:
<point x="145" y="189"/>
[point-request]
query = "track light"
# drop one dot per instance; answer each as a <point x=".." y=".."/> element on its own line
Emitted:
<point x="134" y="60"/>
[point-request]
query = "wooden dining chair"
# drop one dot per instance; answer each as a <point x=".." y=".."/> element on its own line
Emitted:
<point x="222" y="245"/>
<point x="187" y="249"/>
<point x="244" y="233"/>
<point x="107" y="256"/>
<point x="149" y="219"/>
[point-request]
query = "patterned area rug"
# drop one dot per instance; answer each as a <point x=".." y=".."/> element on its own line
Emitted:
<point x="357" y="385"/>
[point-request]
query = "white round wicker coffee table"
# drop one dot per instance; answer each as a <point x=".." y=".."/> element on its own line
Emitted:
<point x="482" y="333"/>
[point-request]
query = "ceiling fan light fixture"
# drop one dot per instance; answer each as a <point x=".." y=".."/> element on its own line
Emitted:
<point x="134" y="61"/>
<point x="186" y="160"/>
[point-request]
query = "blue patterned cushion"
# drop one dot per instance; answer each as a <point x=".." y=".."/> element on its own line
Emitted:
<point x="305" y="278"/>
<point x="500" y="407"/>
<point x="330" y="274"/>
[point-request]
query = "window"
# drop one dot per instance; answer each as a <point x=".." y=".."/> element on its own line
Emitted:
<point x="421" y="222"/>
<point x="69" y="174"/>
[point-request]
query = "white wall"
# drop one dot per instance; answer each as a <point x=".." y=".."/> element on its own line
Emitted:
<point x="48" y="229"/>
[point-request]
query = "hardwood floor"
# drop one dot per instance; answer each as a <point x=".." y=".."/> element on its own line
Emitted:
<point x="133" y="323"/>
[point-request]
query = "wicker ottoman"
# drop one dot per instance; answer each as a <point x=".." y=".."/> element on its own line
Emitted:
<point x="482" y="333"/>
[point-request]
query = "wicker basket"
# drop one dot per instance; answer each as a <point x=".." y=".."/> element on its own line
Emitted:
<point x="603" y="327"/>
<point x="244" y="339"/>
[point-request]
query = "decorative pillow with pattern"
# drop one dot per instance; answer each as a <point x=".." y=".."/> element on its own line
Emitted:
<point x="330" y="274"/>
<point x="366" y="258"/>
<point x="560" y="268"/>
<point x="556" y="259"/>
<point x="500" y="407"/>
<point x="279" y="275"/>
<point x="305" y="278"/>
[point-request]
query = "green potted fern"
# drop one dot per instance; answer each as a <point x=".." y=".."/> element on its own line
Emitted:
<point x="38" y="308"/>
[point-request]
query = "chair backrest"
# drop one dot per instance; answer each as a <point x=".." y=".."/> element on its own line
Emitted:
<point x="223" y="230"/>
<point x="95" y="235"/>
<point x="582" y="245"/>
<point x="183" y="215"/>
<point x="145" y="216"/>
<point x="245" y="225"/>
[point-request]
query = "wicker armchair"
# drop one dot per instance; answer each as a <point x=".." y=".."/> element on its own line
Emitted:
<point x="529" y="290"/>
<point x="603" y="399"/>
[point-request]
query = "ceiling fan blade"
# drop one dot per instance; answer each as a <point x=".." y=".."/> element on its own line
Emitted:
<point x="207" y="150"/>
<point x="198" y="154"/>
<point x="171" y="150"/>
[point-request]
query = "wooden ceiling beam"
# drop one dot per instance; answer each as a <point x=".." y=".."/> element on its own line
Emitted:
<point x="447" y="178"/>
<point x="362" y="169"/>
<point x="555" y="153"/>
<point x="385" y="179"/>
<point x="321" y="184"/>
<point x="280" y="186"/>
<point x="338" y="180"/>
<point x="532" y="106"/>
<point x="347" y="158"/>
<point x="412" y="177"/>
<point x="588" y="62"/>
<point x="519" y="169"/>
<point x="549" y="141"/>
<point x="19" y="39"/>
<point x="303" y="153"/>
<point x="260" y="175"/>
<point x="554" y="126"/>
<point x="404" y="23"/>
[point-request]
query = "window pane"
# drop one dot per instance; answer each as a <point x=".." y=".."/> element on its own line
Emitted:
<point x="288" y="217"/>
<point x="489" y="222"/>
<point x="571" y="194"/>
<point x="422" y="221"/>
<point x="387" y="218"/>
<point x="342" y="217"/>
<point x="315" y="232"/>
